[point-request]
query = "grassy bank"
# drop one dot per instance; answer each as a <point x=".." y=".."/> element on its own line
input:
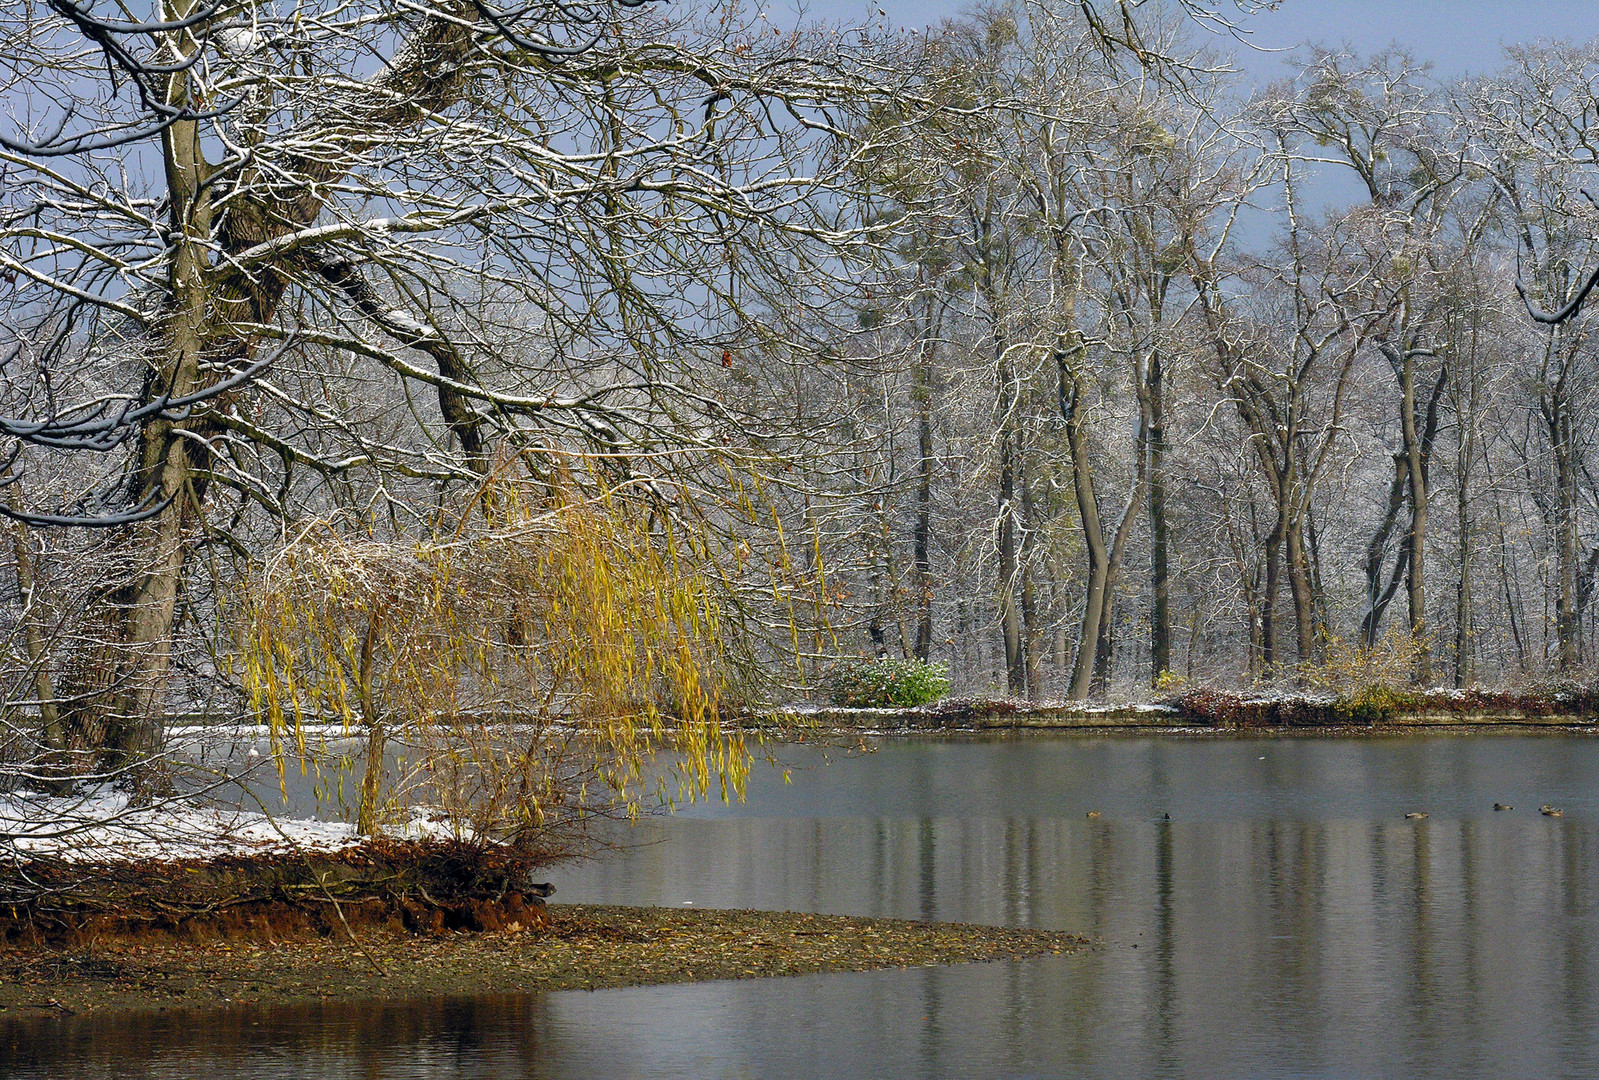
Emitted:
<point x="582" y="948"/>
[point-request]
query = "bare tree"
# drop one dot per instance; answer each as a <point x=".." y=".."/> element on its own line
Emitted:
<point x="1532" y="135"/>
<point x="1287" y="372"/>
<point x="270" y="256"/>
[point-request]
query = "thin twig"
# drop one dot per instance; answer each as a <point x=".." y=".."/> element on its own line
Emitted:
<point x="339" y="911"/>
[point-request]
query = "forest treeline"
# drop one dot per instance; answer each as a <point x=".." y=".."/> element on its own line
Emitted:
<point x="404" y="365"/>
<point x="1182" y="379"/>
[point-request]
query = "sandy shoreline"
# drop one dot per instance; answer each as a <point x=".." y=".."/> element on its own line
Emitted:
<point x="590" y="947"/>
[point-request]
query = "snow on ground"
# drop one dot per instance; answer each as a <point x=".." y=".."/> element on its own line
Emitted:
<point x="101" y="824"/>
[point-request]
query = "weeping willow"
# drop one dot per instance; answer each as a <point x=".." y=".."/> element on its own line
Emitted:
<point x="541" y="662"/>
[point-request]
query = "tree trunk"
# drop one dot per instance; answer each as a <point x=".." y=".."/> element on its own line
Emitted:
<point x="1105" y="651"/>
<point x="52" y="736"/>
<point x="117" y="694"/>
<point x="366" y="820"/>
<point x="1268" y="602"/>
<point x="1378" y="596"/>
<point x="1249" y="585"/>
<point x="1300" y="589"/>
<point x="1010" y="620"/>
<point x="1465" y="456"/>
<point x="1318" y="590"/>
<point x="117" y="690"/>
<point x="1069" y="391"/>
<point x="921" y="540"/>
<point x="1416" y="479"/>
<point x="1160" y="576"/>
<point x="1032" y="633"/>
<point x="1105" y="645"/>
<point x="1511" y="598"/>
<point x="1558" y="413"/>
<point x="1244" y="550"/>
<point x="1465" y="646"/>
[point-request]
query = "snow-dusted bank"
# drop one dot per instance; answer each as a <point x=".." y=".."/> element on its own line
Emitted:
<point x="1204" y="709"/>
<point x="103" y="823"/>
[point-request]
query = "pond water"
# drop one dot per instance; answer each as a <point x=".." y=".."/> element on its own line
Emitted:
<point x="1285" y="920"/>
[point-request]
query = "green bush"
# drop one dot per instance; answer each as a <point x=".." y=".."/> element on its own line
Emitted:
<point x="886" y="683"/>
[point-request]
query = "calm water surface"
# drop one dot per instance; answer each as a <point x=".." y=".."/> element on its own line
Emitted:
<point x="1285" y="921"/>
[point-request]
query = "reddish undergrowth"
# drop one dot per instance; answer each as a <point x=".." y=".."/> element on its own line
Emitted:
<point x="1380" y="704"/>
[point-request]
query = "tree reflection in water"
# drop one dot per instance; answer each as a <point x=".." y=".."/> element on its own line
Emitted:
<point x="1286" y="920"/>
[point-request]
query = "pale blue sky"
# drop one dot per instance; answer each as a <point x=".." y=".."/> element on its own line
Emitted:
<point x="1458" y="36"/>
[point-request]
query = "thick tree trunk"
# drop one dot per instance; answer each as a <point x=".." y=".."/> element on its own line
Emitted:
<point x="118" y="707"/>
<point x="116" y="691"/>
<point x="1269" y="656"/>
<point x="1416" y="478"/>
<point x="1299" y="586"/>
<point x="1105" y="646"/>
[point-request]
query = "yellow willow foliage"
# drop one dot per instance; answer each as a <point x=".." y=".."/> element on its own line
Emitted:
<point x="545" y="661"/>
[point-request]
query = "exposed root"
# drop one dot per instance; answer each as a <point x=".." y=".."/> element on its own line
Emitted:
<point x="421" y="887"/>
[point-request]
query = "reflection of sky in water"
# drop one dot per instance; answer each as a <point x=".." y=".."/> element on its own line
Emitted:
<point x="1288" y="921"/>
